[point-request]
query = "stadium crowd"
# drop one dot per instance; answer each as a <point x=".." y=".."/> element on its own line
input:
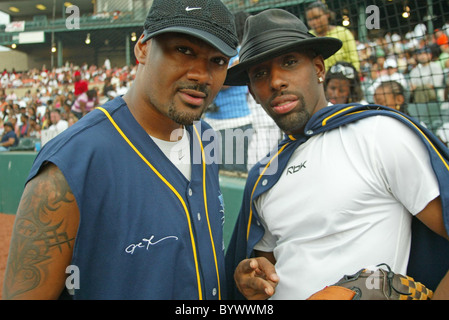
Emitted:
<point x="36" y="100"/>
<point x="417" y="61"/>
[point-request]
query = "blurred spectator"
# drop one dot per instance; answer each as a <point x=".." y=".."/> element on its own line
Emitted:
<point x="46" y="120"/>
<point x="392" y="74"/>
<point x="440" y="37"/>
<point x="85" y="103"/>
<point x="411" y="61"/>
<point x="426" y="79"/>
<point x="57" y="123"/>
<point x="420" y="31"/>
<point x="13" y="121"/>
<point x="107" y="64"/>
<point x="444" y="56"/>
<point x="8" y="112"/>
<point x="80" y="85"/>
<point x="318" y="18"/>
<point x="35" y="128"/>
<point x="391" y="94"/>
<point x="342" y="84"/>
<point x="72" y="119"/>
<point x="9" y="137"/>
<point x="11" y="97"/>
<point x="108" y="89"/>
<point x="123" y="88"/>
<point x="24" y="126"/>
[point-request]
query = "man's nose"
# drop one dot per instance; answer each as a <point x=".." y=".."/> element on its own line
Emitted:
<point x="200" y="71"/>
<point x="278" y="82"/>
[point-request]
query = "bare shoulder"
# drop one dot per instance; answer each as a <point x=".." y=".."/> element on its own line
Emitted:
<point x="43" y="237"/>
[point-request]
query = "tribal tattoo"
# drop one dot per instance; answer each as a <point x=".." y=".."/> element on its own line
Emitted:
<point x="40" y="231"/>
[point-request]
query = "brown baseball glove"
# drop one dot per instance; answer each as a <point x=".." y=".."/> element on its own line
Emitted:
<point x="374" y="285"/>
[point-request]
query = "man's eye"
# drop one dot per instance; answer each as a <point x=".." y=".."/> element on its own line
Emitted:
<point x="258" y="74"/>
<point x="290" y="62"/>
<point x="185" y="50"/>
<point x="221" y="61"/>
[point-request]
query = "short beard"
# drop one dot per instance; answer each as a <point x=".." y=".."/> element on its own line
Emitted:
<point x="295" y="121"/>
<point x="183" y="118"/>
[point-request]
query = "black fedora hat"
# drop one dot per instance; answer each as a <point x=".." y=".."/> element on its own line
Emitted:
<point x="272" y="33"/>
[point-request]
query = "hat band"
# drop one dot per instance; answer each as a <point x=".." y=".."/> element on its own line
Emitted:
<point x="272" y="40"/>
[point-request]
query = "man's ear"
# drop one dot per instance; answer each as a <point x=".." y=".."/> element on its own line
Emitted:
<point x="141" y="49"/>
<point x="319" y="65"/>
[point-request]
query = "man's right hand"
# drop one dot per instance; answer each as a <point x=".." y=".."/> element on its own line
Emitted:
<point x="256" y="278"/>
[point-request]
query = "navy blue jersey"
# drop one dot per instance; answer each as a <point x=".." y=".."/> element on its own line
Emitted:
<point x="146" y="232"/>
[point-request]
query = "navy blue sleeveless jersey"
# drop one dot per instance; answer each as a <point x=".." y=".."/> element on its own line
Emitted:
<point x="145" y="231"/>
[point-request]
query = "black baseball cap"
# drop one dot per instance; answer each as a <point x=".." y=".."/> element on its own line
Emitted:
<point x="208" y="20"/>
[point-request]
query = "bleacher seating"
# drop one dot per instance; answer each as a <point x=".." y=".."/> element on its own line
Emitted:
<point x="25" y="144"/>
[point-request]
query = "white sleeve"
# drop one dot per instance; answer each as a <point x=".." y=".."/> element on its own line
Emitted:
<point x="404" y="164"/>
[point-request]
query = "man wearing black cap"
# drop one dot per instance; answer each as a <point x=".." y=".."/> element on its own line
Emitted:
<point x="125" y="204"/>
<point x="340" y="191"/>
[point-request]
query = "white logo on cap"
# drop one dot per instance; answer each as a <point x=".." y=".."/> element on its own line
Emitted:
<point x="190" y="9"/>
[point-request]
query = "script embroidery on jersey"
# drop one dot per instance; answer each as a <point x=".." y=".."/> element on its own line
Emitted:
<point x="146" y="243"/>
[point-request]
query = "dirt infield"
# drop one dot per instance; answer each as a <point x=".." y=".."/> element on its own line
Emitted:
<point x="6" y="224"/>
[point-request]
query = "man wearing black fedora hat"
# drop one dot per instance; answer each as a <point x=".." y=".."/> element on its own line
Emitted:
<point x="124" y="204"/>
<point x="339" y="192"/>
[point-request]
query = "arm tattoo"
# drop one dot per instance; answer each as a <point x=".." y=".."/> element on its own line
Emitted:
<point x="39" y="230"/>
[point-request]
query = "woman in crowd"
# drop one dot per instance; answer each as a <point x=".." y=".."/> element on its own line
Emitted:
<point x="85" y="103"/>
<point x="391" y="94"/>
<point x="342" y="84"/>
<point x="318" y="18"/>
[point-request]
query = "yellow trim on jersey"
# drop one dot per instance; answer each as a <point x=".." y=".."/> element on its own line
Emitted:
<point x="192" y="239"/>
<point x="333" y="115"/>
<point x="254" y="189"/>
<point x="207" y="213"/>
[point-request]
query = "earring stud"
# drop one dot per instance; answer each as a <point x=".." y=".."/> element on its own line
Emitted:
<point x="320" y="80"/>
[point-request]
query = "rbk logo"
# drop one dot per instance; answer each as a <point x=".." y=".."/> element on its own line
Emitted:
<point x="294" y="169"/>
